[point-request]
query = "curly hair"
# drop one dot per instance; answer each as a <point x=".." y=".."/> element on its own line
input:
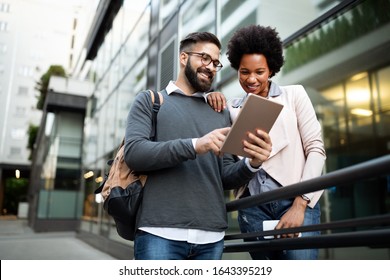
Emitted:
<point x="256" y="39"/>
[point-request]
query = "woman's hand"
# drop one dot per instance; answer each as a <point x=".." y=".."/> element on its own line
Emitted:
<point x="216" y="100"/>
<point x="294" y="217"/>
<point x="259" y="148"/>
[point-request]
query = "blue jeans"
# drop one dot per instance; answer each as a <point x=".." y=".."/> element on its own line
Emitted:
<point x="251" y="220"/>
<point x="151" y="247"/>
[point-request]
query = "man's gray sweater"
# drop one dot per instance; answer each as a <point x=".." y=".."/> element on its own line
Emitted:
<point x="183" y="189"/>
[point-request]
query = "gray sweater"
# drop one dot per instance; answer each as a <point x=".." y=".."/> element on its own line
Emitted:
<point x="183" y="189"/>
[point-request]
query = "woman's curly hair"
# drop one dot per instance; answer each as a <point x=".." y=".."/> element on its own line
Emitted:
<point x="256" y="39"/>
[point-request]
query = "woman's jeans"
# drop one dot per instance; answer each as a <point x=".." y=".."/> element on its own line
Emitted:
<point x="151" y="247"/>
<point x="251" y="220"/>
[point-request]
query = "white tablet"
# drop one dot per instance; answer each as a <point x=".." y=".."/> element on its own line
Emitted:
<point x="256" y="113"/>
<point x="270" y="225"/>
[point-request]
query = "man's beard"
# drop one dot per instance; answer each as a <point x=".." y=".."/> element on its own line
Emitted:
<point x="194" y="81"/>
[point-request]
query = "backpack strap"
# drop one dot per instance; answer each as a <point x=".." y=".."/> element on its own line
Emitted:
<point x="157" y="101"/>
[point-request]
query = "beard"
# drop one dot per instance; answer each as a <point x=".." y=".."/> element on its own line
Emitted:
<point x="195" y="82"/>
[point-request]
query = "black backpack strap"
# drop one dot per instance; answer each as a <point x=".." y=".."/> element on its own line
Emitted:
<point x="156" y="108"/>
<point x="156" y="103"/>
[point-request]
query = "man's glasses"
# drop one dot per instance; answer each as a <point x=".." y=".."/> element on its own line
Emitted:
<point x="206" y="60"/>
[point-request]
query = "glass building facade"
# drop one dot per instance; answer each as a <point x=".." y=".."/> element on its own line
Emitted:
<point x="341" y="60"/>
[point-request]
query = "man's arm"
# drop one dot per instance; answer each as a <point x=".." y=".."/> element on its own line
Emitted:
<point x="142" y="154"/>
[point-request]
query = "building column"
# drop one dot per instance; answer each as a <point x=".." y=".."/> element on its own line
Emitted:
<point x="2" y="187"/>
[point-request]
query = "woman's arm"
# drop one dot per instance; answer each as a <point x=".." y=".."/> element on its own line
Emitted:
<point x="216" y="100"/>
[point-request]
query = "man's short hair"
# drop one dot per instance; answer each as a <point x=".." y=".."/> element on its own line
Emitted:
<point x="197" y="37"/>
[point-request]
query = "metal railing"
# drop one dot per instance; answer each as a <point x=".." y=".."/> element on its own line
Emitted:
<point x="378" y="236"/>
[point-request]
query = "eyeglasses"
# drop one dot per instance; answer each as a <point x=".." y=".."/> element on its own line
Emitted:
<point x="206" y="60"/>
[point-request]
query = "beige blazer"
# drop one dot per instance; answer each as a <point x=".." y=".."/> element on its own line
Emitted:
<point x="298" y="152"/>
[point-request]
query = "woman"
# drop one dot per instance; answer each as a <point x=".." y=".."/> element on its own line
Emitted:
<point x="297" y="147"/>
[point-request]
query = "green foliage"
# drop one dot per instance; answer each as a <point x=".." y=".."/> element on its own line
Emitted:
<point x="140" y="75"/>
<point x="366" y="17"/>
<point x="32" y="136"/>
<point x="15" y="191"/>
<point x="43" y="84"/>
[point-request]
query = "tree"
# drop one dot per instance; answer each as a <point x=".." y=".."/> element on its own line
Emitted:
<point x="43" y="84"/>
<point x="15" y="191"/>
<point x="32" y="136"/>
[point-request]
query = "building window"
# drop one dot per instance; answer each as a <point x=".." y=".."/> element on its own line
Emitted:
<point x="18" y="133"/>
<point x="383" y="95"/>
<point x="22" y="91"/>
<point x="197" y="16"/>
<point x="167" y="64"/>
<point x="382" y="103"/>
<point x="3" y="48"/>
<point x="4" y="7"/>
<point x="37" y="55"/>
<point x="26" y="71"/>
<point x="167" y="9"/>
<point x="15" y="151"/>
<point x="20" y="111"/>
<point x="359" y="111"/>
<point x="355" y="118"/>
<point x="3" y="26"/>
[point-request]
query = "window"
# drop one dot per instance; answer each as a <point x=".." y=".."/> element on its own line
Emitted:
<point x="198" y="16"/>
<point x="3" y="26"/>
<point x="383" y="83"/>
<point x="23" y="91"/>
<point x="18" y="133"/>
<point x="167" y="8"/>
<point x="4" y="7"/>
<point x="37" y="55"/>
<point x="20" y="111"/>
<point x="3" y="48"/>
<point x="15" y="151"/>
<point x="167" y="64"/>
<point x="26" y="71"/>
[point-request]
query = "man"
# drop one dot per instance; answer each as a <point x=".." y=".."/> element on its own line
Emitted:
<point x="183" y="213"/>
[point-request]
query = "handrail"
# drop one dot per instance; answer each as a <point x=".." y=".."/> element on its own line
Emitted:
<point x="350" y="174"/>
<point x="379" y="220"/>
<point x="378" y="236"/>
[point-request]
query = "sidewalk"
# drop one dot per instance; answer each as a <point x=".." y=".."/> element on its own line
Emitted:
<point x="19" y="242"/>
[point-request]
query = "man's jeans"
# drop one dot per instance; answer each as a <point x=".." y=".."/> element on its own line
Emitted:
<point x="251" y="220"/>
<point x="151" y="247"/>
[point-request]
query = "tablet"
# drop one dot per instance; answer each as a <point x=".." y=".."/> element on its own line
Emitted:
<point x="270" y="225"/>
<point x="256" y="113"/>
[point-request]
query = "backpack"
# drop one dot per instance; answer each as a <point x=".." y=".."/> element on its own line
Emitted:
<point x="122" y="188"/>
